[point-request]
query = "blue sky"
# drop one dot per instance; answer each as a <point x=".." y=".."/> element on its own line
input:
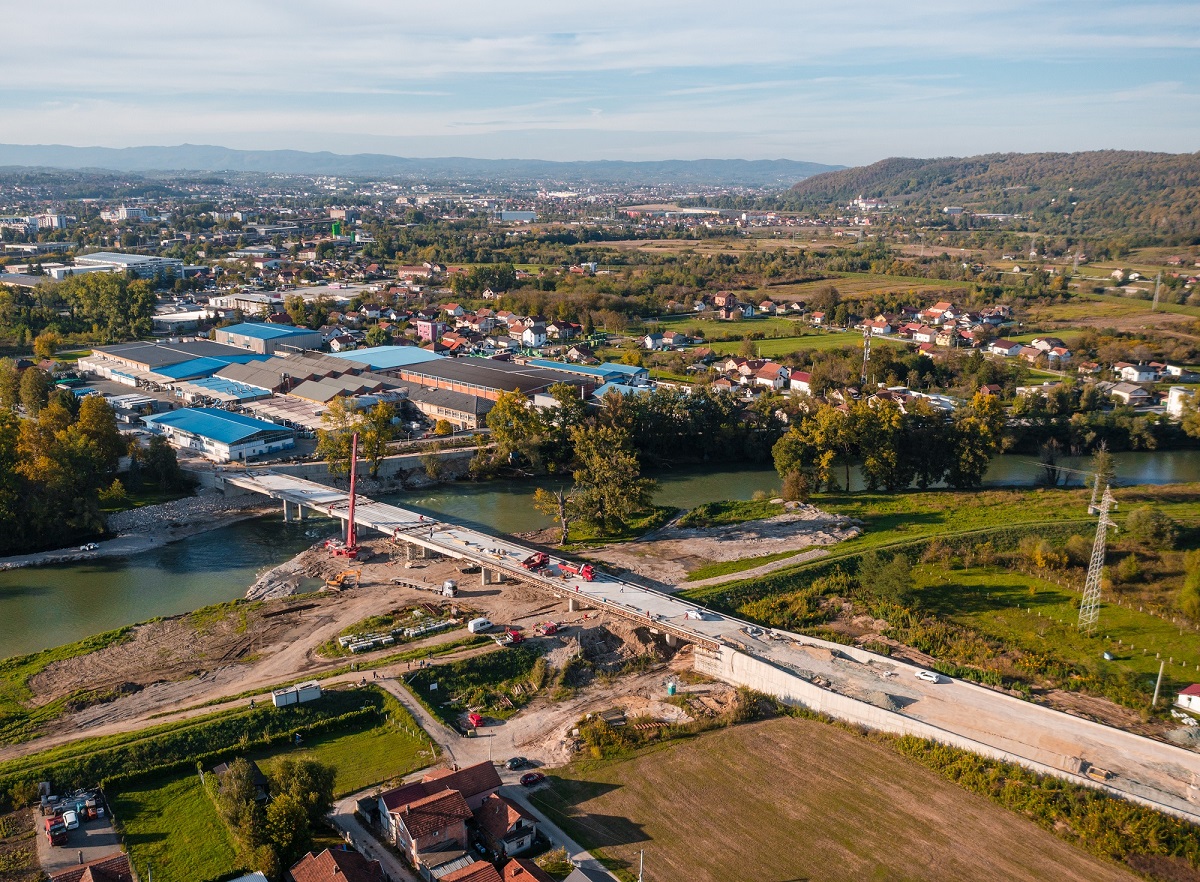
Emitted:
<point x="845" y="83"/>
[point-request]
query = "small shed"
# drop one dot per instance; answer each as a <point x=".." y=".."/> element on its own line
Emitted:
<point x="1189" y="698"/>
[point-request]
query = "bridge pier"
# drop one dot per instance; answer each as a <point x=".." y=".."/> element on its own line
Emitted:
<point x="287" y="512"/>
<point x="490" y="577"/>
<point x="672" y="640"/>
<point x="572" y="604"/>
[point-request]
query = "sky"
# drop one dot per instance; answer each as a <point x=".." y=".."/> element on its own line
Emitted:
<point x="840" y="83"/>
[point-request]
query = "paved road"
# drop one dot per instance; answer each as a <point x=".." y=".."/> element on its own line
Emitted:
<point x="1163" y="773"/>
<point x="344" y="819"/>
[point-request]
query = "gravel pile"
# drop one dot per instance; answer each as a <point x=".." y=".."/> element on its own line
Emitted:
<point x="179" y="511"/>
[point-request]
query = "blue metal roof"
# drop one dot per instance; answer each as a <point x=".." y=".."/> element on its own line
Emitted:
<point x="382" y="358"/>
<point x="261" y="331"/>
<point x="610" y="370"/>
<point x="622" y="388"/>
<point x="217" y="425"/>
<point x="241" y="391"/>
<point x="205" y="367"/>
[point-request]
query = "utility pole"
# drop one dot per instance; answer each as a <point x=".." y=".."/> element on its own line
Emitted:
<point x="1158" y="684"/>
<point x="866" y="353"/>
<point x="1089" y="607"/>
<point x="641" y="863"/>
<point x="1157" y="287"/>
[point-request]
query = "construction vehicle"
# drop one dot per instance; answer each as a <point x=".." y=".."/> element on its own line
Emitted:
<point x="56" y="831"/>
<point x="344" y="579"/>
<point x="349" y="547"/>
<point x="536" y="561"/>
<point x="510" y="637"/>
<point x="586" y="572"/>
<point x="547" y="628"/>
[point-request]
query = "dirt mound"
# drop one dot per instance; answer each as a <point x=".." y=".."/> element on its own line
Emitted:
<point x="610" y="647"/>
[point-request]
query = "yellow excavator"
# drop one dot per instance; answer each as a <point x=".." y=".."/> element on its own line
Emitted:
<point x="344" y="579"/>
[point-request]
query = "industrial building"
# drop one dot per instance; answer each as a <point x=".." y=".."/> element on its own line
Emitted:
<point x="487" y="378"/>
<point x="608" y="372"/>
<point x="220" y="435"/>
<point x="161" y="363"/>
<point x="144" y="266"/>
<point x="384" y="359"/>
<point x="267" y="339"/>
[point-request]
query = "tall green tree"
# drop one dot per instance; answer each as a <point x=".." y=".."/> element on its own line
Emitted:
<point x="377" y="430"/>
<point x="10" y="384"/>
<point x="35" y="390"/>
<point x="340" y="422"/>
<point x="608" y="480"/>
<point x="517" y="429"/>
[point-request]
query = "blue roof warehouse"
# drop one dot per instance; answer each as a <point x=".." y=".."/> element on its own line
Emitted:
<point x="220" y="435"/>
<point x="267" y="339"/>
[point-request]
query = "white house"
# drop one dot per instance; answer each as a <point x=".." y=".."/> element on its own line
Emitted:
<point x="1007" y="348"/>
<point x="800" y="381"/>
<point x="1189" y="698"/>
<point x="534" y="336"/>
<point x="1177" y="399"/>
<point x="772" y="375"/>
<point x="653" y="341"/>
<point x="1135" y="373"/>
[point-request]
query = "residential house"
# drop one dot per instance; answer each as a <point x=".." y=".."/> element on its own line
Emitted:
<point x="342" y="343"/>
<point x="946" y="337"/>
<point x="534" y="336"/>
<point x="1135" y="373"/>
<point x="723" y="384"/>
<point x="519" y="870"/>
<point x="1178" y="399"/>
<point x="653" y="341"/>
<point x="924" y="334"/>
<point x="480" y="871"/>
<point x="1006" y="348"/>
<point x="1127" y="393"/>
<point x="335" y="866"/>
<point x="581" y="354"/>
<point x="724" y="299"/>
<point x="729" y="313"/>
<point x="990" y="389"/>
<point x="1189" y="697"/>
<point x="748" y="310"/>
<point x="432" y="823"/>
<point x="110" y="868"/>
<point x="262" y="787"/>
<point x="507" y="828"/>
<point x="817" y="318"/>
<point x="1088" y="367"/>
<point x="1030" y="353"/>
<point x="800" y="381"/>
<point x="563" y="331"/>
<point x="878" y="326"/>
<point x="429" y="329"/>
<point x="1059" y="355"/>
<point x="1045" y="344"/>
<point x="772" y="375"/>
<point x="768" y="308"/>
<point x="671" y="339"/>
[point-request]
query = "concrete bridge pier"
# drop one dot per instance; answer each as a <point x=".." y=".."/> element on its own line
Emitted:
<point x="573" y="604"/>
<point x="490" y="577"/>
<point x="287" y="512"/>
<point x="672" y="640"/>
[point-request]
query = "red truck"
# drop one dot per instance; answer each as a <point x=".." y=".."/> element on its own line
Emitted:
<point x="547" y="628"/>
<point x="586" y="572"/>
<point x="56" y="831"/>
<point x="476" y="720"/>
<point x="536" y="561"/>
<point x="513" y="637"/>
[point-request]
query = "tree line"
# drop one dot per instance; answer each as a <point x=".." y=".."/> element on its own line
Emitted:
<point x="59" y="459"/>
<point x="99" y="307"/>
<point x="895" y="448"/>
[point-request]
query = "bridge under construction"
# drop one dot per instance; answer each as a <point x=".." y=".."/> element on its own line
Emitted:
<point x="842" y="681"/>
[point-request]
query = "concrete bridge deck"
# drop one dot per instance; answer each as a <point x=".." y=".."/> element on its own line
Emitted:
<point x="845" y="682"/>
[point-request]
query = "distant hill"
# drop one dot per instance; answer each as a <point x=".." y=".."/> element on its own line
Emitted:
<point x="201" y="158"/>
<point x="1153" y="194"/>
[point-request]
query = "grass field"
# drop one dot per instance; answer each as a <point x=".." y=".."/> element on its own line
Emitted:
<point x="172" y="828"/>
<point x="363" y="759"/>
<point x="775" y="347"/>
<point x="726" y="807"/>
<point x="1034" y="614"/>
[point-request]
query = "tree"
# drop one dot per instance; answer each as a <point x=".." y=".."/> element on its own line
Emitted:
<point x="443" y="428"/>
<point x="46" y="344"/>
<point x="889" y="581"/>
<point x="1189" y="595"/>
<point x="288" y="829"/>
<point x="976" y="437"/>
<point x="1104" y="466"/>
<point x="309" y="781"/>
<point x="560" y="504"/>
<point x="517" y="429"/>
<point x="376" y="430"/>
<point x="98" y="421"/>
<point x="159" y="462"/>
<point x="35" y="390"/>
<point x="609" y="480"/>
<point x="1150" y="528"/>
<point x="341" y="421"/>
<point x="10" y="384"/>
<point x="377" y="336"/>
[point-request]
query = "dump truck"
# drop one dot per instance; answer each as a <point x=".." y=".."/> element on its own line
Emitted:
<point x="536" y="561"/>
<point x="586" y="571"/>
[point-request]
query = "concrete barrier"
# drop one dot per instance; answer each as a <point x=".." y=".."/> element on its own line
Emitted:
<point x="740" y="669"/>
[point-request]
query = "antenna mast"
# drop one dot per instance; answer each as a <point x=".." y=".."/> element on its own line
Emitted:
<point x="866" y="352"/>
<point x="1089" y="607"/>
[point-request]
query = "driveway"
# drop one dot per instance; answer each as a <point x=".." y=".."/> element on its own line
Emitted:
<point x="90" y="841"/>
<point x="343" y="818"/>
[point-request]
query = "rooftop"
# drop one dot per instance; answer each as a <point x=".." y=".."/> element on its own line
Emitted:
<point x="218" y="425"/>
<point x="261" y="331"/>
<point x="381" y="358"/>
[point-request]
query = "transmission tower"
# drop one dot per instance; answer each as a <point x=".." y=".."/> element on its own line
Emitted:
<point x="1094" y="505"/>
<point x="1089" y="607"/>
<point x="866" y="353"/>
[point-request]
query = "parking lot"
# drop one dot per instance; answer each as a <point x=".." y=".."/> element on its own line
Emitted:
<point x="91" y="840"/>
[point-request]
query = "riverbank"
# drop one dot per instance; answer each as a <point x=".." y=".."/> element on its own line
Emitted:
<point x="152" y="526"/>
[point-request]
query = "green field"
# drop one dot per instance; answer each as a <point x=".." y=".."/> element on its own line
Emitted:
<point x="362" y="759"/>
<point x="497" y="684"/>
<point x="1034" y="614"/>
<point x="727" y="807"/>
<point x="171" y="829"/>
<point x="776" y="347"/>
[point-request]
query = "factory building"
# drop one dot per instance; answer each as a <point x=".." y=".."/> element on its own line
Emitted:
<point x="220" y="435"/>
<point x="267" y="339"/>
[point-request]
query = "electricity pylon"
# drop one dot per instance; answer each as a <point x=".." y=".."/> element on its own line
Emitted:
<point x="1089" y="607"/>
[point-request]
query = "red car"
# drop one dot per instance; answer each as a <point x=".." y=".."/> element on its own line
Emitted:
<point x="531" y="778"/>
<point x="475" y="720"/>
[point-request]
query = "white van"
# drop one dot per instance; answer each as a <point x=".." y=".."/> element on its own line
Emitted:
<point x="478" y="626"/>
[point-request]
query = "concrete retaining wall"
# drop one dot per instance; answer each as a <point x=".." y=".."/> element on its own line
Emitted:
<point x="740" y="669"/>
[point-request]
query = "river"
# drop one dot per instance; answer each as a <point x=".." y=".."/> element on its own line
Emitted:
<point x="49" y="606"/>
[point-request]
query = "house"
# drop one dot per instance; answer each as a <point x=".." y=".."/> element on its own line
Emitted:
<point x="1178" y="398"/>
<point x="800" y="381"/>
<point x="1127" y="393"/>
<point x="1059" y="354"/>
<point x="507" y="828"/>
<point x="261" y="786"/>
<point x="723" y="384"/>
<point x="729" y="313"/>
<point x="518" y="870"/>
<point x="879" y="326"/>
<point x="534" y="336"/>
<point x="748" y="311"/>
<point x="817" y="318"/>
<point x="431" y="823"/>
<point x="563" y="330"/>
<point x="454" y="310"/>
<point x="946" y="337"/>
<point x="342" y="343"/>
<point x="473" y="783"/>
<point x="429" y="329"/>
<point x="1189" y="698"/>
<point x="771" y="375"/>
<point x="110" y="868"/>
<point x="767" y="308"/>
<point x="582" y="355"/>
<point x="479" y="871"/>
<point x="1045" y="344"/>
<point x="1005" y="348"/>
<point x="335" y="866"/>
<point x="1030" y="353"/>
<point x="924" y="334"/>
<point x="1088" y="367"/>
<point x="1135" y="373"/>
<point x="653" y="341"/>
<point x="991" y="389"/>
<point x="724" y="299"/>
<point x="674" y="338"/>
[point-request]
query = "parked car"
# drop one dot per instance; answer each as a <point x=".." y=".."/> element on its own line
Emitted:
<point x="91" y="546"/>
<point x="478" y="626"/>
<point x="928" y="676"/>
<point x="476" y="720"/>
<point x="529" y="779"/>
<point x="71" y="819"/>
<point x="517" y="762"/>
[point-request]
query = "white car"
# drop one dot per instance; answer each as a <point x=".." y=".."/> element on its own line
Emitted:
<point x="71" y="819"/>
<point x="91" y="546"/>
<point x="928" y="676"/>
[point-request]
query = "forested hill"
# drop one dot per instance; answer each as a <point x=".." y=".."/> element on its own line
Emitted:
<point x="1154" y="194"/>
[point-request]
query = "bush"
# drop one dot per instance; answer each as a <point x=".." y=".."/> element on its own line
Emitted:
<point x="796" y="487"/>
<point x="1079" y="550"/>
<point x="1129" y="570"/>
<point x="1150" y="527"/>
